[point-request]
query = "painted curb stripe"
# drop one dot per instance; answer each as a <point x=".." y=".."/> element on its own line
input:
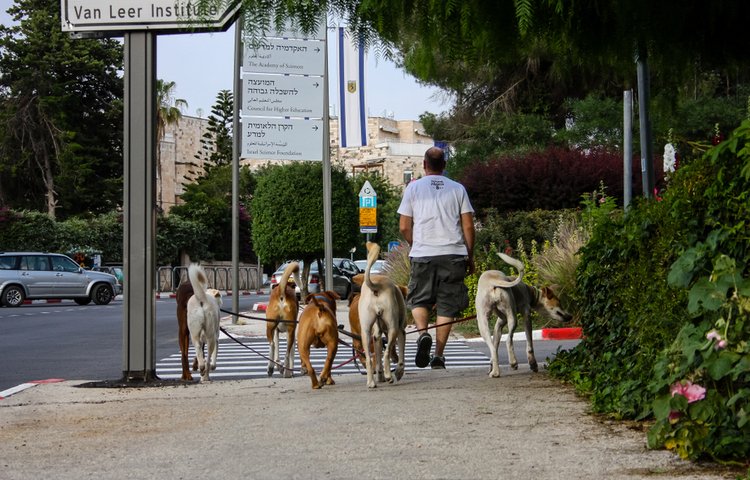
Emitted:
<point x="20" y="388"/>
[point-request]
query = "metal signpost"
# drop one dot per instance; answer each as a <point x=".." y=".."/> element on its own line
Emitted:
<point x="139" y="21"/>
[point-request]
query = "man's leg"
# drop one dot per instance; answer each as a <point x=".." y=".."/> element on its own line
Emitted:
<point x="421" y="317"/>
<point x="442" y="334"/>
<point x="424" y="342"/>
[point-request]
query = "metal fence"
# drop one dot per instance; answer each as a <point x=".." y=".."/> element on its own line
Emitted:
<point x="219" y="277"/>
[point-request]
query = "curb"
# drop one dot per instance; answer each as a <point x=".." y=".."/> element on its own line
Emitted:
<point x="568" y="333"/>
<point x="20" y="388"/>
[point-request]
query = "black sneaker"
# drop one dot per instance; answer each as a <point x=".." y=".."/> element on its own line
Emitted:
<point x="437" y="362"/>
<point x="424" y="345"/>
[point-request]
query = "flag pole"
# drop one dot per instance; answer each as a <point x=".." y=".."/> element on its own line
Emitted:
<point x="327" y="213"/>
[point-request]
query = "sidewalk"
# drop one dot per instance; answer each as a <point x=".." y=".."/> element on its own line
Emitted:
<point x="433" y="424"/>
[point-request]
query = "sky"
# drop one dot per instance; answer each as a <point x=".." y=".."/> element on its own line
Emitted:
<point x="202" y="64"/>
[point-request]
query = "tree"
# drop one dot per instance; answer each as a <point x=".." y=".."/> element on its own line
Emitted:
<point x="219" y="135"/>
<point x="60" y="115"/>
<point x="168" y="113"/>
<point x="287" y="213"/>
<point x="209" y="202"/>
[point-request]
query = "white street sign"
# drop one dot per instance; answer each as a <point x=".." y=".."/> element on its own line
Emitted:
<point x="282" y="139"/>
<point x="282" y="96"/>
<point x="126" y="15"/>
<point x="277" y="55"/>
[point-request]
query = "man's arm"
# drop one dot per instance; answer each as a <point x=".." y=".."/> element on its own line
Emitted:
<point x="467" y="225"/>
<point x="406" y="227"/>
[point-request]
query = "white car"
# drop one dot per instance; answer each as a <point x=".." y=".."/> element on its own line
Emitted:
<point x="341" y="282"/>
<point x="377" y="267"/>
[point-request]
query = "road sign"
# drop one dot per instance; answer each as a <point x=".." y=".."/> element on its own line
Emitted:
<point x="280" y="55"/>
<point x="368" y="203"/>
<point x="282" y="139"/>
<point x="130" y="15"/>
<point x="282" y="96"/>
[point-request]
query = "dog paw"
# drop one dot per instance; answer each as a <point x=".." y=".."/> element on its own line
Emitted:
<point x="534" y="366"/>
<point x="514" y="366"/>
<point x="287" y="373"/>
<point x="371" y="385"/>
<point x="399" y="372"/>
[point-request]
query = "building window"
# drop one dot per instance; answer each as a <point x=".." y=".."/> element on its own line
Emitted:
<point x="408" y="175"/>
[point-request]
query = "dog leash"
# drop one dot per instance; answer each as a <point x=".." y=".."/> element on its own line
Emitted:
<point x="269" y="320"/>
<point x="354" y="356"/>
<point x="429" y="327"/>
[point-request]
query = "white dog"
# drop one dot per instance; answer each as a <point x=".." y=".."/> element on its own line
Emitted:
<point x="203" y="319"/>
<point x="381" y="310"/>
<point x="507" y="298"/>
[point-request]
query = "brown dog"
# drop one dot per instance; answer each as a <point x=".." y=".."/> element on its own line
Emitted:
<point x="184" y="292"/>
<point x="317" y="328"/>
<point x="283" y="305"/>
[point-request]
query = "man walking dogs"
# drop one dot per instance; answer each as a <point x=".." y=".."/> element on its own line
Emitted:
<point x="437" y="220"/>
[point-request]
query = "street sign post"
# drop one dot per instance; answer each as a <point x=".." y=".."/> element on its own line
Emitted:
<point x="139" y="22"/>
<point x="368" y="209"/>
<point x="132" y="15"/>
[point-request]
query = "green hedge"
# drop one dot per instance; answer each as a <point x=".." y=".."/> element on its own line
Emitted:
<point x="660" y="287"/>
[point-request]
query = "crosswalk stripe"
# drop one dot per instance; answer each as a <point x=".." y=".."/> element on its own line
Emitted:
<point x="236" y="361"/>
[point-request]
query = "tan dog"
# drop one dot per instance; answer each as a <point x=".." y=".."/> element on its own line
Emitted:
<point x="354" y="323"/>
<point x="382" y="310"/>
<point x="203" y="317"/>
<point x="184" y="292"/>
<point x="507" y="298"/>
<point x="317" y="328"/>
<point x="283" y="305"/>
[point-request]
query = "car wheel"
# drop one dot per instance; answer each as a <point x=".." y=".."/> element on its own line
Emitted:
<point x="102" y="294"/>
<point x="82" y="301"/>
<point x="13" y="296"/>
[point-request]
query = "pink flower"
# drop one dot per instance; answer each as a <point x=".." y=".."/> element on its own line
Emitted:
<point x="720" y="342"/>
<point x="692" y="392"/>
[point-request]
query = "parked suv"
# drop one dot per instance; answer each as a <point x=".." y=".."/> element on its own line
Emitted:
<point x="37" y="275"/>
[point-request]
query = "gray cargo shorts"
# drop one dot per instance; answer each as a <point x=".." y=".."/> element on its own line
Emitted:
<point x="438" y="281"/>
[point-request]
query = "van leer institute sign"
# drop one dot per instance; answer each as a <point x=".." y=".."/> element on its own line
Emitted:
<point x="126" y="15"/>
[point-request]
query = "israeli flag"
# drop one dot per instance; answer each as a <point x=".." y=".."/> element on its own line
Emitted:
<point x="353" y="116"/>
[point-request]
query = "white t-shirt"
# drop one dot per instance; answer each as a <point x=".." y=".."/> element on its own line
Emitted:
<point x="435" y="203"/>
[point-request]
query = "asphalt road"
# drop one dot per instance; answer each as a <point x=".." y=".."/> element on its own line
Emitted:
<point x="66" y="340"/>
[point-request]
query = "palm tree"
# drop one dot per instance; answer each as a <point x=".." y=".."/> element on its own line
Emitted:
<point x="169" y="112"/>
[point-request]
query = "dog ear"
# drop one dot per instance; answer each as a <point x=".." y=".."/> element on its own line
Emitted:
<point x="548" y="293"/>
<point x="358" y="279"/>
<point x="333" y="295"/>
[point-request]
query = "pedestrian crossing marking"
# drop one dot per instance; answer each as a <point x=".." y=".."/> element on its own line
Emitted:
<point x="236" y="361"/>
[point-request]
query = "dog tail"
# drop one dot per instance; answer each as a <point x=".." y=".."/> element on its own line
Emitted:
<point x="373" y="250"/>
<point x="515" y="263"/>
<point x="291" y="269"/>
<point x="199" y="281"/>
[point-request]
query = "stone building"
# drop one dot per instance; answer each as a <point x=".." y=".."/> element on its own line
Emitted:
<point x="395" y="150"/>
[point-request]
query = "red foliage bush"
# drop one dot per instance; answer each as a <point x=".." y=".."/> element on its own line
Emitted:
<point x="552" y="179"/>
